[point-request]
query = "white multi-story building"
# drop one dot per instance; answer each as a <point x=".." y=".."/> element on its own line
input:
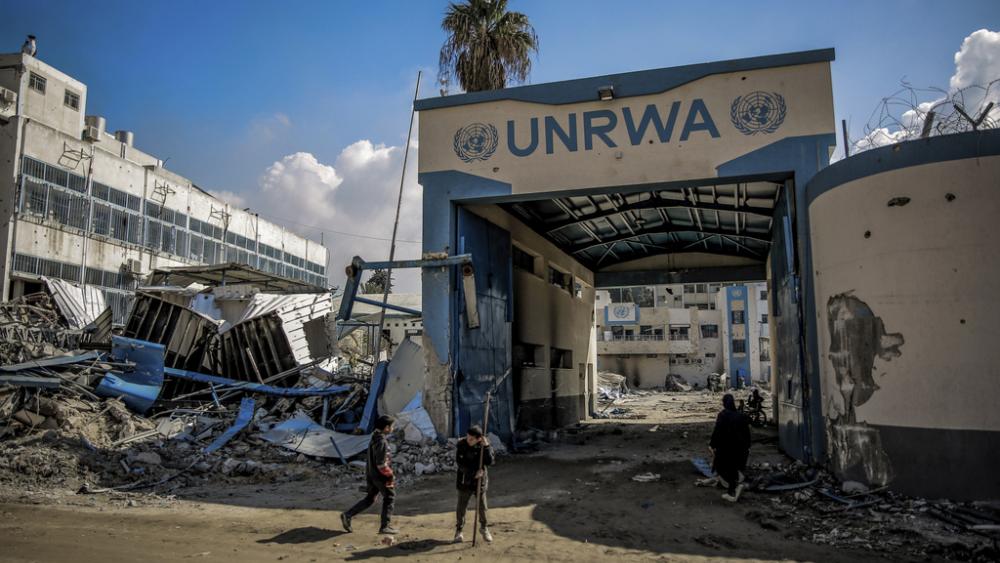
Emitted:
<point x="85" y="205"/>
<point x="649" y="332"/>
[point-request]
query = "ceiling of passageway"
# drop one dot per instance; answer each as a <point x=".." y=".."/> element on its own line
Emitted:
<point x="602" y="229"/>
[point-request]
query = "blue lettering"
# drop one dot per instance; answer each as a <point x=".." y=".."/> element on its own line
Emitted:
<point x="706" y="124"/>
<point x="651" y="115"/>
<point x="568" y="139"/>
<point x="532" y="145"/>
<point x="589" y="129"/>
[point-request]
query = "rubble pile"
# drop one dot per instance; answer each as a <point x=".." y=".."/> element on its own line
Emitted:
<point x="118" y="415"/>
<point x="811" y="505"/>
<point x="31" y="327"/>
<point x="427" y="457"/>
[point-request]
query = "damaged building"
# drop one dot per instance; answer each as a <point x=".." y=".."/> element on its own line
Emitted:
<point x="687" y="331"/>
<point x="880" y="289"/>
<point x="85" y="205"/>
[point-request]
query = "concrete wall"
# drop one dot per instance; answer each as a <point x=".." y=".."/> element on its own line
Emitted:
<point x="646" y="363"/>
<point x="907" y="307"/>
<point x="547" y="317"/>
<point x="806" y="88"/>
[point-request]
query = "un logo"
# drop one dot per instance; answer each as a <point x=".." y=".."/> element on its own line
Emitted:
<point x="477" y="141"/>
<point x="758" y="112"/>
<point x="622" y="312"/>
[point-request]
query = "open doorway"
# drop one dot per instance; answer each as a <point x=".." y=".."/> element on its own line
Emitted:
<point x="668" y="285"/>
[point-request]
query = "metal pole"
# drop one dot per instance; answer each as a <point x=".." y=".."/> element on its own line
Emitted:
<point x="847" y="147"/>
<point x="395" y="224"/>
<point x="479" y="480"/>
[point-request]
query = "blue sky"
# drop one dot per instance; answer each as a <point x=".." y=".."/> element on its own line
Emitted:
<point x="225" y="89"/>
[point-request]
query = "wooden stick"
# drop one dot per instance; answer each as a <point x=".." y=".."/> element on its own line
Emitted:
<point x="479" y="480"/>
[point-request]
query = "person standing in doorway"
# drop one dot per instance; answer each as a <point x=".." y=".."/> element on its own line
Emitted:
<point x="467" y="454"/>
<point x="381" y="480"/>
<point x="730" y="445"/>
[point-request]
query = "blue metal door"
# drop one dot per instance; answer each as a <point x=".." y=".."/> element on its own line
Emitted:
<point x="483" y="355"/>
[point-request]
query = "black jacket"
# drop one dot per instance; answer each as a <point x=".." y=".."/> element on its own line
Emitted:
<point x="378" y="454"/>
<point x="467" y="464"/>
<point x="731" y="434"/>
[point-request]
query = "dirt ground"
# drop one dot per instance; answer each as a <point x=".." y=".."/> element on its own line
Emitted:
<point x="571" y="501"/>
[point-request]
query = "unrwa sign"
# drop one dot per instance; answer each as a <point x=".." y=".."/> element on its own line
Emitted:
<point x="751" y="114"/>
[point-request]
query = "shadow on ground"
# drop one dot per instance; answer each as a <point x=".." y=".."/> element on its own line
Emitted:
<point x="308" y="534"/>
<point x="404" y="549"/>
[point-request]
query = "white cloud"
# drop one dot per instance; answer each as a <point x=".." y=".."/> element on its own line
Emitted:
<point x="232" y="198"/>
<point x="978" y="60"/>
<point x="356" y="194"/>
<point x="977" y="64"/>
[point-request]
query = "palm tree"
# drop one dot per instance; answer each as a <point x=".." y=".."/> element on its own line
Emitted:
<point x="486" y="46"/>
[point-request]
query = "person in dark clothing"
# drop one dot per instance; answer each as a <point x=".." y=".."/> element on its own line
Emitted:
<point x="381" y="480"/>
<point x="467" y="453"/>
<point x="730" y="445"/>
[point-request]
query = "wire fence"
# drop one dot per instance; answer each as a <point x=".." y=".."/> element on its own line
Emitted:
<point x="902" y="116"/>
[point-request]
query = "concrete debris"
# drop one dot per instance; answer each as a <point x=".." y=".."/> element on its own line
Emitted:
<point x="676" y="383"/>
<point x="646" y="477"/>
<point x="811" y="505"/>
<point x="129" y="414"/>
<point x="611" y="386"/>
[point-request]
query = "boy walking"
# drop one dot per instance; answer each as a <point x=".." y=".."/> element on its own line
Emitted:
<point x="467" y="453"/>
<point x="381" y="480"/>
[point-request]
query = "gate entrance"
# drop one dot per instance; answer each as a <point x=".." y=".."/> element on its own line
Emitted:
<point x="677" y="175"/>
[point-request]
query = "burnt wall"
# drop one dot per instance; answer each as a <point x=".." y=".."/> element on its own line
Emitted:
<point x="907" y="278"/>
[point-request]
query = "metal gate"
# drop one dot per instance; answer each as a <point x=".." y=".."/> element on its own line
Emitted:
<point x="483" y="354"/>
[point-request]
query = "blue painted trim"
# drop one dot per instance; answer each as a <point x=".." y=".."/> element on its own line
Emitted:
<point x="627" y="84"/>
<point x="674" y="185"/>
<point x="805" y="156"/>
<point x="738" y="366"/>
<point x="802" y="155"/>
<point x="441" y="191"/>
<point x="902" y="155"/>
<point x="242" y="420"/>
<point x="234" y="385"/>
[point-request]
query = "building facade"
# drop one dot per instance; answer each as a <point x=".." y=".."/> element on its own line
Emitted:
<point x="85" y="205"/>
<point x="746" y="341"/>
<point x="677" y="175"/>
<point x="685" y="330"/>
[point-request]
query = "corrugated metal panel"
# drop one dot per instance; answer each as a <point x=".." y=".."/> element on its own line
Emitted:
<point x="294" y="311"/>
<point x="80" y="306"/>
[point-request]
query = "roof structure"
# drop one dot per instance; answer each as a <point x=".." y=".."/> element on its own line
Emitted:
<point x="231" y="273"/>
<point x="626" y="84"/>
<point x="601" y="229"/>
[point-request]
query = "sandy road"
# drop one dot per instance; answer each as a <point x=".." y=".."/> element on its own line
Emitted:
<point x="572" y="502"/>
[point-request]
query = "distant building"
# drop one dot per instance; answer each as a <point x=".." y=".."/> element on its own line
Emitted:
<point x="689" y="330"/>
<point x="84" y="205"/>
<point x="745" y="337"/>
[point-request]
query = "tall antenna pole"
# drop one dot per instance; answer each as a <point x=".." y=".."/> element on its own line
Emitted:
<point x="395" y="224"/>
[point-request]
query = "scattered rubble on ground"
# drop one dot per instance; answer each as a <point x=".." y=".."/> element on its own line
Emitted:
<point x="82" y="410"/>
<point x="811" y="505"/>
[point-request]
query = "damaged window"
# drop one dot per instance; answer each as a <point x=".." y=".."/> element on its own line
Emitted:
<point x="522" y="260"/>
<point x="709" y="331"/>
<point x="738" y="317"/>
<point x="739" y="346"/>
<point x="561" y="358"/>
<point x="560" y="279"/>
<point x="679" y="332"/>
